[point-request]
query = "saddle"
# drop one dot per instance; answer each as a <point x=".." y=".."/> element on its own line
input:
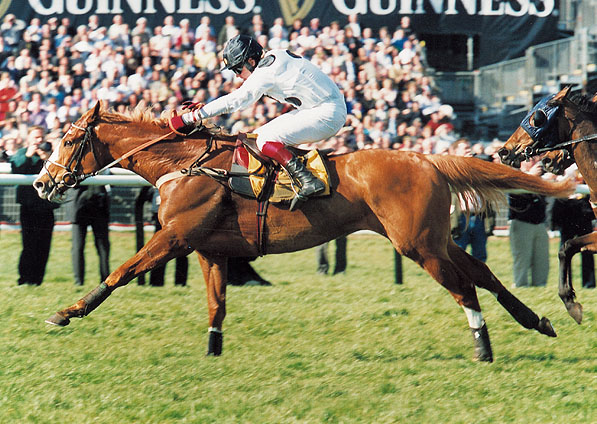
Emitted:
<point x="256" y="176"/>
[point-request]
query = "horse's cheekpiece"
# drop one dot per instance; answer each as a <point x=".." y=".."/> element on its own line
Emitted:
<point x="543" y="116"/>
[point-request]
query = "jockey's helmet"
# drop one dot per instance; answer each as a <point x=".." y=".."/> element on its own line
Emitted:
<point x="238" y="50"/>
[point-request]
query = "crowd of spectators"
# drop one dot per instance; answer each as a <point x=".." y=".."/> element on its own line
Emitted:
<point x="51" y="72"/>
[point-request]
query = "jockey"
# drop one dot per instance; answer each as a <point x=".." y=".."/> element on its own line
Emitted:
<point x="320" y="108"/>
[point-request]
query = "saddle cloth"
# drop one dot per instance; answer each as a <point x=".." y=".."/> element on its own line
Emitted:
<point x="256" y="182"/>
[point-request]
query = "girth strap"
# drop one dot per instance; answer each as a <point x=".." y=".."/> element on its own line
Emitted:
<point x="261" y="216"/>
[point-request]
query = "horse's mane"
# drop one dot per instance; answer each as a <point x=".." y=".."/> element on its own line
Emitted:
<point x="145" y="114"/>
<point x="584" y="103"/>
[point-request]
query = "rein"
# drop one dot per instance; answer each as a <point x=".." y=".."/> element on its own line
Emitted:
<point x="71" y="179"/>
<point x="559" y="146"/>
<point x="128" y="154"/>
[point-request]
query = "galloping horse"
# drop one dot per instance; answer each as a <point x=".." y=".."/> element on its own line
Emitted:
<point x="404" y="196"/>
<point x="562" y="122"/>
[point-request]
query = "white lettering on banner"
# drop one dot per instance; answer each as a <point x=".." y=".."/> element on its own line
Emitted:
<point x="377" y="8"/>
<point x="488" y="10"/>
<point x="539" y="8"/>
<point x="515" y="8"/>
<point x="72" y="7"/>
<point x="549" y="6"/>
<point x="136" y="6"/>
<point x="469" y="5"/>
<point x="523" y="8"/>
<point x="102" y="7"/>
<point x="437" y="6"/>
<point x="249" y="6"/>
<point x="56" y="7"/>
<point x="360" y="7"/>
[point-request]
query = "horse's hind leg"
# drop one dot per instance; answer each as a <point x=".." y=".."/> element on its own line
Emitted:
<point x="482" y="277"/>
<point x="463" y="290"/>
<point x="566" y="290"/>
<point x="215" y="273"/>
<point x="163" y="246"/>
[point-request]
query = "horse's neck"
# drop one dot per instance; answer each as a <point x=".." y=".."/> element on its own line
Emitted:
<point x="168" y="155"/>
<point x="585" y="156"/>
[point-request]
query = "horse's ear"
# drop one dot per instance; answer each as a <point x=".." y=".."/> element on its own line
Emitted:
<point x="562" y="94"/>
<point x="96" y="110"/>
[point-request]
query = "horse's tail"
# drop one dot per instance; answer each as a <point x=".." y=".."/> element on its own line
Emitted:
<point x="484" y="183"/>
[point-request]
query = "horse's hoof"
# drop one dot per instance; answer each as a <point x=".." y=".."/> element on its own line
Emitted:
<point x="483" y="352"/>
<point x="216" y="340"/>
<point x="483" y="356"/>
<point x="545" y="327"/>
<point x="59" y="320"/>
<point x="575" y="312"/>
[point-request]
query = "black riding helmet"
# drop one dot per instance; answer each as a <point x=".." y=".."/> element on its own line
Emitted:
<point x="238" y="50"/>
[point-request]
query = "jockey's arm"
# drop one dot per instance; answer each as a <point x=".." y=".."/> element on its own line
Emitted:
<point x="247" y="94"/>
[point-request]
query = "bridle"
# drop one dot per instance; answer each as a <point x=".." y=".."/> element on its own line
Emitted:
<point x="71" y="178"/>
<point x="544" y="115"/>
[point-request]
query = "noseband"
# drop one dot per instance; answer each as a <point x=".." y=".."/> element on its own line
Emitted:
<point x="70" y="178"/>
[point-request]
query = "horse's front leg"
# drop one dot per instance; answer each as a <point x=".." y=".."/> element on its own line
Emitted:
<point x="566" y="290"/>
<point x="162" y="247"/>
<point x="215" y="272"/>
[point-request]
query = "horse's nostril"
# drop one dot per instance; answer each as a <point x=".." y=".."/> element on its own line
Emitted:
<point x="38" y="184"/>
<point x="503" y="152"/>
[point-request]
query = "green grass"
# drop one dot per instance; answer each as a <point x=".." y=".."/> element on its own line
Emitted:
<point x="349" y="349"/>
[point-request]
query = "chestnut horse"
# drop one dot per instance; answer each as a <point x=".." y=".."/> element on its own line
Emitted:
<point x="404" y="196"/>
<point x="562" y="122"/>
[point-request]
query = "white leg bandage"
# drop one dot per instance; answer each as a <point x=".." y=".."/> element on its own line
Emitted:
<point x="475" y="319"/>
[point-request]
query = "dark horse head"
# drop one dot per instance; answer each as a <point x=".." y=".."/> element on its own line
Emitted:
<point x="539" y="131"/>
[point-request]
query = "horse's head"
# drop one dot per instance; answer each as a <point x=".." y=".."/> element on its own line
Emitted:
<point x="73" y="160"/>
<point x="543" y="128"/>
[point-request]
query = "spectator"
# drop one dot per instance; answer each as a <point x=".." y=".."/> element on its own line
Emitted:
<point x="529" y="241"/>
<point x="140" y="30"/>
<point x="228" y="30"/>
<point x="323" y="264"/>
<point x="89" y="206"/>
<point x="205" y="30"/>
<point x="37" y="215"/>
<point x="11" y="30"/>
<point x="354" y="25"/>
<point x="278" y="28"/>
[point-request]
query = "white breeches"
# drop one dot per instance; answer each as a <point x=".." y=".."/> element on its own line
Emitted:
<point x="304" y="126"/>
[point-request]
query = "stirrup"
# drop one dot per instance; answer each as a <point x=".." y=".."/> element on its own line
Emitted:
<point x="297" y="200"/>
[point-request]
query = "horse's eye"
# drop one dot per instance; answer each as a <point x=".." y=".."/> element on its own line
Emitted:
<point x="68" y="143"/>
<point x="539" y="118"/>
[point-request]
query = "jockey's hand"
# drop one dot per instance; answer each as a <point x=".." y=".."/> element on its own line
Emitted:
<point x="191" y="106"/>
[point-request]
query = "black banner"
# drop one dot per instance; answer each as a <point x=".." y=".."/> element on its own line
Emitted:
<point x="504" y="28"/>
